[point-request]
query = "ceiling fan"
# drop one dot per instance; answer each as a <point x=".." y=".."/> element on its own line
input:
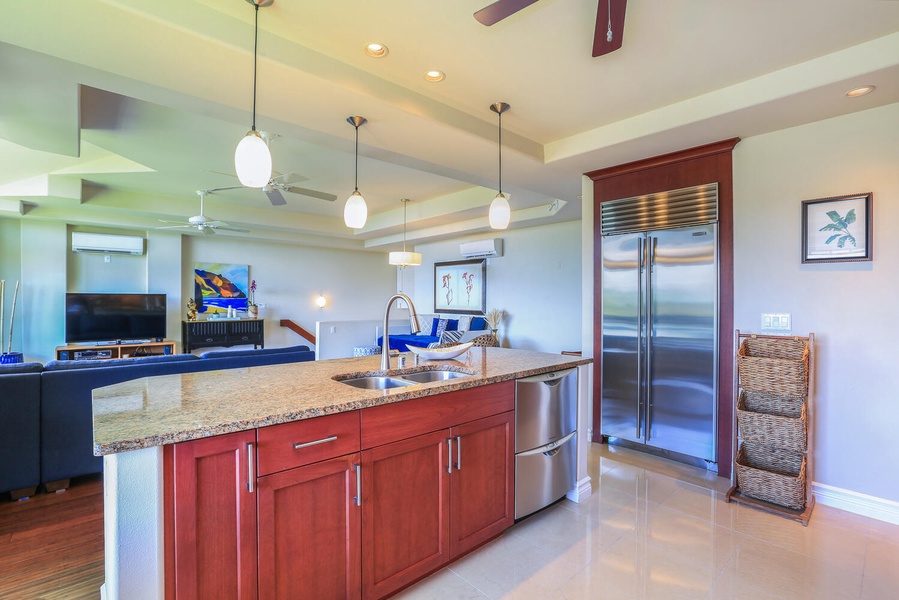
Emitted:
<point x="607" y="36"/>
<point x="281" y="183"/>
<point x="201" y="222"/>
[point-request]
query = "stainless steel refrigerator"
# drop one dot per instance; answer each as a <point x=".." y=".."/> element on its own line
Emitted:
<point x="659" y="328"/>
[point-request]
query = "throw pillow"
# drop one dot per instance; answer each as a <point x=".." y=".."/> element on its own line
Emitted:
<point x="451" y="337"/>
<point x="439" y="327"/>
<point x="478" y="324"/>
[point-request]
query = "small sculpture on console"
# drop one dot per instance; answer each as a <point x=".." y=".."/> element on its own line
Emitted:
<point x="191" y="310"/>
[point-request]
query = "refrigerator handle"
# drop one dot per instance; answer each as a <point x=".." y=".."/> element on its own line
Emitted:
<point x="640" y="259"/>
<point x="651" y="257"/>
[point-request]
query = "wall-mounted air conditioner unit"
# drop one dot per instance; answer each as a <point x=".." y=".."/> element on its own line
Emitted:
<point x="482" y="248"/>
<point x="107" y="244"/>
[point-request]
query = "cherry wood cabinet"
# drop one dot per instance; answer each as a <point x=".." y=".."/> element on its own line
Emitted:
<point x="214" y="518"/>
<point x="482" y="482"/>
<point x="405" y="512"/>
<point x="309" y="532"/>
<point x="428" y="499"/>
<point x="351" y="505"/>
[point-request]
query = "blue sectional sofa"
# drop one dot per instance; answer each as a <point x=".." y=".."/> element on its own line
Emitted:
<point x="46" y="430"/>
<point x="20" y="428"/>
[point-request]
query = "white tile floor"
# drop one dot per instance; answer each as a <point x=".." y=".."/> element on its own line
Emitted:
<point x="657" y="529"/>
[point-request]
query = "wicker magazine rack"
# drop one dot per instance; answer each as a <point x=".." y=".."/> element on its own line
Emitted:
<point x="773" y="438"/>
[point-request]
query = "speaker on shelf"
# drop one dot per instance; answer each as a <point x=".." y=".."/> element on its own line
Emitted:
<point x="166" y="349"/>
<point x="64" y="355"/>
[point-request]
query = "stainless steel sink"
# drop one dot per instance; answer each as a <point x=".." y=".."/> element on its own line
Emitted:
<point x="428" y="376"/>
<point x="376" y="383"/>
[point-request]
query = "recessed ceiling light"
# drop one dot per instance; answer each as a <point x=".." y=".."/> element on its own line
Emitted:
<point x="860" y="91"/>
<point x="435" y="75"/>
<point x="376" y="50"/>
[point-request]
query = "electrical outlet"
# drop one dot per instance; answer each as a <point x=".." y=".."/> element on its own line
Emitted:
<point x="333" y="328"/>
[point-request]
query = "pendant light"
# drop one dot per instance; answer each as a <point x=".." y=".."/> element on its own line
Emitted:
<point x="355" y="212"/>
<point x="404" y="259"/>
<point x="500" y="211"/>
<point x="252" y="159"/>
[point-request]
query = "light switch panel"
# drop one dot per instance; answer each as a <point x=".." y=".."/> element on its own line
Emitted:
<point x="776" y="322"/>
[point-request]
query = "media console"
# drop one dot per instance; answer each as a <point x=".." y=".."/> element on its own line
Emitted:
<point x="125" y="349"/>
<point x="222" y="333"/>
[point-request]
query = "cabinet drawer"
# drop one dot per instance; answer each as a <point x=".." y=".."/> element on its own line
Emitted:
<point x="401" y="420"/>
<point x="245" y="338"/>
<point x="290" y="445"/>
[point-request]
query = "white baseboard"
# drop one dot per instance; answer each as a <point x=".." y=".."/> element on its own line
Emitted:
<point x="581" y="491"/>
<point x="854" y="502"/>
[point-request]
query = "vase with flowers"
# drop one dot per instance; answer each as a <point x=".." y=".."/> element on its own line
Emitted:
<point x="493" y="317"/>
<point x="8" y="357"/>
<point x="252" y="307"/>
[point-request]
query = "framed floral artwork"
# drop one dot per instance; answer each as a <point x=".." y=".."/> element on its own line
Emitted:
<point x="460" y="287"/>
<point x="837" y="229"/>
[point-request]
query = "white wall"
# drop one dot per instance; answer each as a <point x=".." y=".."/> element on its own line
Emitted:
<point x="537" y="282"/>
<point x="42" y="297"/>
<point x="851" y="306"/>
<point x="290" y="278"/>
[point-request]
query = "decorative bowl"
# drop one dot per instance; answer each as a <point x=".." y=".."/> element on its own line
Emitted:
<point x="441" y="353"/>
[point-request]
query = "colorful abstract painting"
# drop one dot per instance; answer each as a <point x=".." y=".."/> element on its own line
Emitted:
<point x="218" y="287"/>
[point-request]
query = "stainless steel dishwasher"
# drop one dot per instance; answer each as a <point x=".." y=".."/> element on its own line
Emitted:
<point x="545" y="439"/>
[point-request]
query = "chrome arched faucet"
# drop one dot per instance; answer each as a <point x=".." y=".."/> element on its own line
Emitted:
<point x="413" y="320"/>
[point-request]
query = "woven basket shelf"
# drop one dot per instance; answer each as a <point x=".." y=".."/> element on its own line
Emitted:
<point x="787" y="432"/>
<point x="771" y="474"/>
<point x="771" y="404"/>
<point x="777" y="367"/>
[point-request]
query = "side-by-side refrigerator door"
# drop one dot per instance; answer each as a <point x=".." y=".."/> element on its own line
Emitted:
<point x="622" y="257"/>
<point x="682" y="311"/>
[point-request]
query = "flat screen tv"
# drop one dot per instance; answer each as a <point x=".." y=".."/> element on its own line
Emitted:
<point x="114" y="317"/>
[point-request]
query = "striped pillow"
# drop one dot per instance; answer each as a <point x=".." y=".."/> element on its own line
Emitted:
<point x="451" y="337"/>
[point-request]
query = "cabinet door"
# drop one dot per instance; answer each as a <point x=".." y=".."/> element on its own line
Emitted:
<point x="309" y="532"/>
<point x="405" y="512"/>
<point x="215" y="518"/>
<point x="482" y="481"/>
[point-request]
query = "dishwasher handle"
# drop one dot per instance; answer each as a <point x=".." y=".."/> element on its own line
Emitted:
<point x="547" y="377"/>
<point x="550" y="449"/>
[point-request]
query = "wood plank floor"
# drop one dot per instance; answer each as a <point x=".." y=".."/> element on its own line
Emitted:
<point x="51" y="545"/>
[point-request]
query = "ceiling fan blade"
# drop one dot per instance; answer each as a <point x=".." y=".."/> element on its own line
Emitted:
<point x="288" y="178"/>
<point x="311" y="193"/>
<point x="207" y="230"/>
<point x="601" y="43"/>
<point x="174" y="226"/>
<point x="496" y="12"/>
<point x="274" y="196"/>
<point x="237" y="229"/>
<point x="222" y="189"/>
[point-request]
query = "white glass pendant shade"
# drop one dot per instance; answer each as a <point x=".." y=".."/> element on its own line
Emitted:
<point x="355" y="213"/>
<point x="253" y="161"/>
<point x="500" y="212"/>
<point x="404" y="259"/>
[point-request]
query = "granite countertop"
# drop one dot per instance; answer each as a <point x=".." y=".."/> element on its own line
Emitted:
<point x="154" y="411"/>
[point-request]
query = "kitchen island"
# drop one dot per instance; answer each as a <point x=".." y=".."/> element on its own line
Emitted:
<point x="141" y="426"/>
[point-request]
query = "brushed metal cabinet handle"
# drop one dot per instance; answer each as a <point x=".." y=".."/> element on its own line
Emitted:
<point x="357" y="499"/>
<point x="301" y="445"/>
<point x="251" y="469"/>
<point x="449" y="456"/>
<point x="458" y="452"/>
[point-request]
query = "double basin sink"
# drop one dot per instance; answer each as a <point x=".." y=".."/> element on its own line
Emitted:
<point x="385" y="382"/>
